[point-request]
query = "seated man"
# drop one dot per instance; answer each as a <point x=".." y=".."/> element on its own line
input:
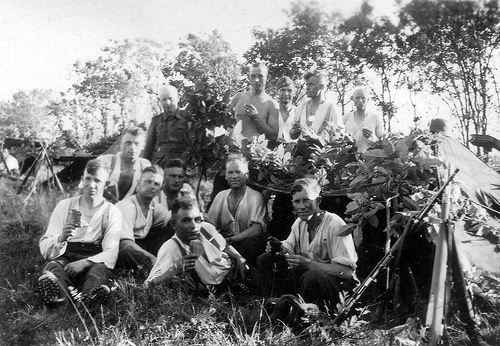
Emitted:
<point x="144" y="223"/>
<point x="239" y="213"/>
<point x="197" y="252"/>
<point x="363" y="125"/>
<point x="174" y="181"/>
<point x="81" y="242"/>
<point x="125" y="167"/>
<point x="314" y="261"/>
<point x="9" y="163"/>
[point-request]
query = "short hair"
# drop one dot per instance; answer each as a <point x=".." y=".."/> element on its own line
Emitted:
<point x="237" y="158"/>
<point x="185" y="200"/>
<point x="362" y="88"/>
<point x="94" y="165"/>
<point x="168" y="88"/>
<point x="283" y="82"/>
<point x="310" y="184"/>
<point x="155" y="169"/>
<point x="177" y="163"/>
<point x="260" y="65"/>
<point x="134" y="131"/>
<point x="322" y="75"/>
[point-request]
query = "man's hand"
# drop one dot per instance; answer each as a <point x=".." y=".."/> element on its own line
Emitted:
<point x="77" y="267"/>
<point x="69" y="230"/>
<point x="298" y="261"/>
<point x="309" y="134"/>
<point x="185" y="264"/>
<point x="251" y="111"/>
<point x="295" y="131"/>
<point x="242" y="266"/>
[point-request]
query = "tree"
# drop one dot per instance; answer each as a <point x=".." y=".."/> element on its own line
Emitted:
<point x="118" y="86"/>
<point x="310" y="40"/>
<point x="208" y="60"/>
<point x="454" y="42"/>
<point x="25" y="114"/>
<point x="374" y="46"/>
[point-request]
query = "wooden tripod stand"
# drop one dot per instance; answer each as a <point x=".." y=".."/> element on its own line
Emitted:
<point x="35" y="170"/>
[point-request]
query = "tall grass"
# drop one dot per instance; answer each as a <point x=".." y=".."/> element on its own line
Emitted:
<point x="162" y="315"/>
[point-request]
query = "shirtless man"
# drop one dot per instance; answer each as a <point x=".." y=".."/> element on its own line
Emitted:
<point x="257" y="111"/>
<point x="125" y="167"/>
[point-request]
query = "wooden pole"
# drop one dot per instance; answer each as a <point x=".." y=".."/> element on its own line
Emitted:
<point x="435" y="309"/>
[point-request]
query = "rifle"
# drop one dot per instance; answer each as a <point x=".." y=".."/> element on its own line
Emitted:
<point x="410" y="225"/>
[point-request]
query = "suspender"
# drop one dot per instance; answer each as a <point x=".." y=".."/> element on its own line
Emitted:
<point x="205" y="233"/>
<point x="105" y="214"/>
<point x="210" y="238"/>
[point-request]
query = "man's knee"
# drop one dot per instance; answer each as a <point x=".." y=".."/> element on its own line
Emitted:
<point x="319" y="278"/>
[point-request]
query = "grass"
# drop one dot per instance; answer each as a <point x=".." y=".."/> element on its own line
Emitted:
<point x="159" y="315"/>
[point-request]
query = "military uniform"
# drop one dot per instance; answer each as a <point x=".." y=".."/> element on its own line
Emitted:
<point x="167" y="137"/>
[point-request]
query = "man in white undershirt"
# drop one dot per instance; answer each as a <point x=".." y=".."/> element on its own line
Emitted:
<point x="362" y="124"/>
<point x="316" y="118"/>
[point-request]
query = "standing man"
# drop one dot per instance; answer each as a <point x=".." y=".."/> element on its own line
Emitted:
<point x="125" y="167"/>
<point x="256" y="110"/>
<point x="175" y="181"/>
<point x="144" y="223"/>
<point x="314" y="261"/>
<point x="363" y="125"/>
<point x="239" y="213"/>
<point x="315" y="119"/>
<point x="286" y="91"/>
<point x="81" y="242"/>
<point x="168" y="131"/>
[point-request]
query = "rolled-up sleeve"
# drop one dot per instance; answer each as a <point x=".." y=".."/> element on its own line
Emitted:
<point x="50" y="247"/>
<point x="111" y="239"/>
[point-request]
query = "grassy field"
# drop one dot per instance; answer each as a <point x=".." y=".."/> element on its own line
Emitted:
<point x="159" y="315"/>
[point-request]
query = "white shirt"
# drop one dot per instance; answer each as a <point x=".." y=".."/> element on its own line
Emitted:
<point x="136" y="225"/>
<point x="90" y="232"/>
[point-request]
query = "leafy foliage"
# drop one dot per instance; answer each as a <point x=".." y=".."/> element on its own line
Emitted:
<point x="454" y="43"/>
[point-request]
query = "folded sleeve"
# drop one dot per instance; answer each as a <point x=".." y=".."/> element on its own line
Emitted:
<point x="50" y="247"/>
<point x="128" y="214"/>
<point x="257" y="210"/>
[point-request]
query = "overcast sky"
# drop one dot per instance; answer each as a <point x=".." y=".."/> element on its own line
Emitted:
<point x="42" y="38"/>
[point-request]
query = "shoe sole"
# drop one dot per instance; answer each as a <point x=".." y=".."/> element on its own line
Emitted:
<point x="49" y="290"/>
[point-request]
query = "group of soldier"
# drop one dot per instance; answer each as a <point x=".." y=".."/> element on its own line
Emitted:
<point x="139" y="214"/>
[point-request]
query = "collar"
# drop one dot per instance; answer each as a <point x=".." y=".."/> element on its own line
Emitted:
<point x="177" y="114"/>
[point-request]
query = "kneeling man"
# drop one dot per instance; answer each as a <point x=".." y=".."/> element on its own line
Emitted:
<point x="144" y="223"/>
<point x="314" y="261"/>
<point x="197" y="252"/>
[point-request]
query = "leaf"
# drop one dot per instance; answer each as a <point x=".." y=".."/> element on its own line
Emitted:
<point x="373" y="220"/>
<point x="347" y="229"/>
<point x="351" y="207"/>
<point x="261" y="176"/>
<point x="375" y="153"/>
<point x="357" y="180"/>
<point x="357" y="235"/>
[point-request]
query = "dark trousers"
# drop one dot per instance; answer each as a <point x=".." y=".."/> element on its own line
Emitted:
<point x="94" y="276"/>
<point x="251" y="248"/>
<point x="130" y="258"/>
<point x="315" y="286"/>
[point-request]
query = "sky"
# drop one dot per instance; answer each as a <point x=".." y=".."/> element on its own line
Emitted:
<point x="41" y="39"/>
